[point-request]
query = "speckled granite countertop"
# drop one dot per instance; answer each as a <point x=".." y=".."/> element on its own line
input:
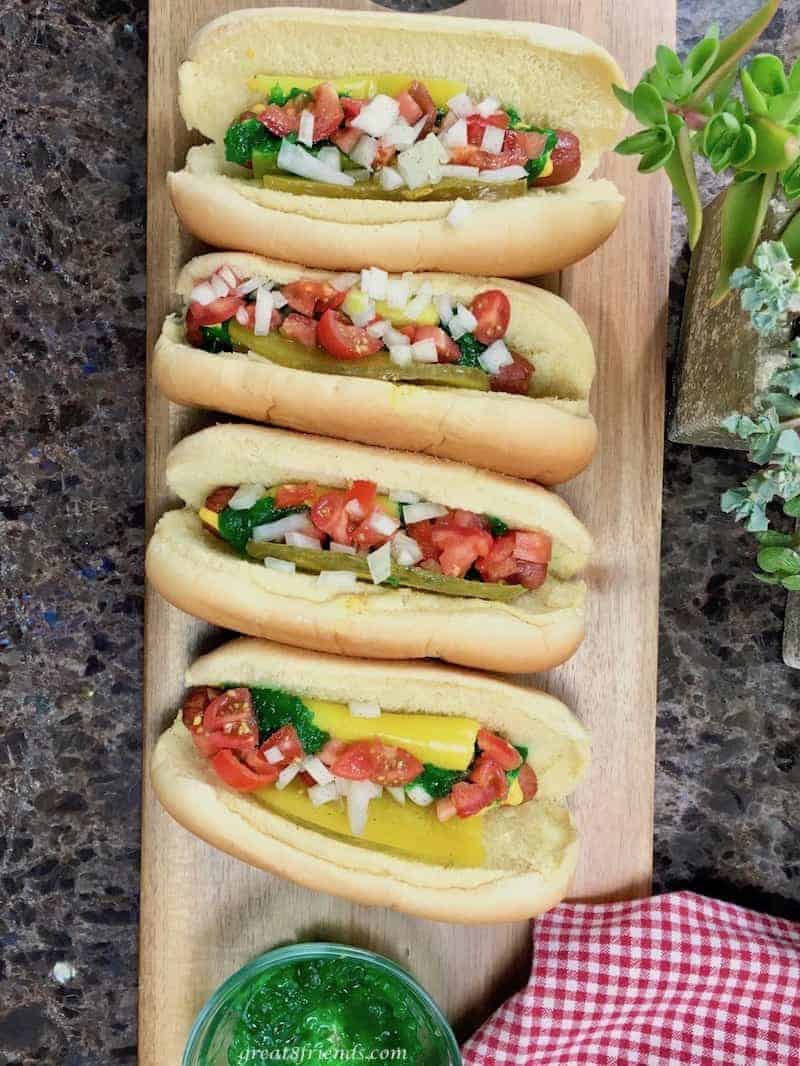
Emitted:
<point x="71" y="485"/>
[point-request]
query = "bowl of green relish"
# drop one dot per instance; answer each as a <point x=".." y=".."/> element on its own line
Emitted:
<point x="317" y="1005"/>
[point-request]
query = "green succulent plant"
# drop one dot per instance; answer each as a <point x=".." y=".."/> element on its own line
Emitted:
<point x="740" y="118"/>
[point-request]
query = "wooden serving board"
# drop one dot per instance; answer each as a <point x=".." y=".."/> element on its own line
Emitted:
<point x="203" y="914"/>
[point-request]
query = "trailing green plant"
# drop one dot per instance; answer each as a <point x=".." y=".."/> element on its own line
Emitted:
<point x="770" y="293"/>
<point x="740" y="118"/>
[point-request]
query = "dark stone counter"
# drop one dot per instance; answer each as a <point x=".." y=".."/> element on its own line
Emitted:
<point x="72" y="159"/>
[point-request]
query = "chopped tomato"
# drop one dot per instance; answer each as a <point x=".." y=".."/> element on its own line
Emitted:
<point x="459" y="518"/>
<point x="230" y="768"/>
<point x="229" y="720"/>
<point x="528" y="782"/>
<point x="362" y="493"/>
<point x="365" y="536"/>
<point x="217" y="501"/>
<point x="327" y="110"/>
<point x="305" y="777"/>
<point x="490" y="775"/>
<point x="352" y="107"/>
<point x="331" y="751"/>
<point x="409" y="108"/>
<point x="460" y="548"/>
<point x="323" y="104"/>
<point x="445" y="809"/>
<point x="446" y="348"/>
<point x="515" y="377"/>
<point x="343" y="340"/>
<point x="514" y="153"/>
<point x="422" y="532"/>
<point x="535" y="547"/>
<point x="566" y="160"/>
<point x="219" y="310"/>
<point x="308" y="297"/>
<point x="424" y="101"/>
<point x="372" y="760"/>
<point x="499" y="564"/>
<point x="329" y="515"/>
<point x="492" y="309"/>
<point x="287" y="742"/>
<point x="346" y="139"/>
<point x="470" y="798"/>
<point x="476" y="126"/>
<point x="504" y="754"/>
<point x="284" y="119"/>
<point x="300" y="328"/>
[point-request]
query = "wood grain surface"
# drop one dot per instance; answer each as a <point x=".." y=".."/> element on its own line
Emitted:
<point x="203" y="914"/>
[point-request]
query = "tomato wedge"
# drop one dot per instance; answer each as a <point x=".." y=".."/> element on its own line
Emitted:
<point x="489" y="774"/>
<point x="219" y="310"/>
<point x="362" y="494"/>
<point x="331" y="751"/>
<point x="470" y="798"/>
<point x="329" y="515"/>
<point x="460" y="548"/>
<point x="300" y="328"/>
<point x="343" y="340"/>
<point x="446" y="348"/>
<point x="288" y="744"/>
<point x="230" y="769"/>
<point x="309" y="297"/>
<point x="230" y="722"/>
<point x="504" y="754"/>
<point x="528" y="782"/>
<point x="372" y="760"/>
<point x="492" y="309"/>
<point x="296" y="494"/>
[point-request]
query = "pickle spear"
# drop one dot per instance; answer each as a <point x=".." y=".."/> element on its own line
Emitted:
<point x="447" y="189"/>
<point x="285" y="352"/>
<point x="316" y="560"/>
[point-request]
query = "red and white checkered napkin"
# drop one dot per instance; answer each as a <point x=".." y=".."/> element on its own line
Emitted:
<point x="677" y="980"/>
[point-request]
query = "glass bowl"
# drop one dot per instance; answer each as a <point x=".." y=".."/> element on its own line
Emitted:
<point x="213" y="1030"/>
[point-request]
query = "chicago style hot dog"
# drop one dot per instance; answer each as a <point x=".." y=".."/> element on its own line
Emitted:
<point x="428" y="789"/>
<point x="481" y="370"/>
<point x="402" y="141"/>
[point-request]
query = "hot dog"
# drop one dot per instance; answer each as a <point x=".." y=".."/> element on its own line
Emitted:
<point x="481" y="370"/>
<point x="342" y="547"/>
<point x="466" y="145"/>
<point x="428" y="789"/>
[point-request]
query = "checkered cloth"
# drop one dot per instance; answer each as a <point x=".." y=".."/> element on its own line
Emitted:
<point x="677" y="980"/>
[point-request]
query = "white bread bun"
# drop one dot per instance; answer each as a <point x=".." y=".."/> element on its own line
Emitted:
<point x="548" y="438"/>
<point x="559" y="77"/>
<point x="531" y="850"/>
<point x="200" y="574"/>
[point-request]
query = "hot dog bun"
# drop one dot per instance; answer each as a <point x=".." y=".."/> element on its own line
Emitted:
<point x="200" y="574"/>
<point x="549" y="438"/>
<point x="531" y="850"/>
<point x="560" y="77"/>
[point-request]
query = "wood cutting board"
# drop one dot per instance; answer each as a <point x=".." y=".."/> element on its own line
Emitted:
<point x="203" y="915"/>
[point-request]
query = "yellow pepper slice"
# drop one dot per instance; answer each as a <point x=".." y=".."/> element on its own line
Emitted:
<point x="435" y="738"/>
<point x="415" y="831"/>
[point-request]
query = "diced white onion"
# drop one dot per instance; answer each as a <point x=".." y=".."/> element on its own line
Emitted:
<point x="295" y="159"/>
<point x="378" y="116"/>
<point x="380" y="563"/>
<point x="364" y="152"/>
<point x="264" y="308"/>
<point x="220" y="287"/>
<point x="338" y="581"/>
<point x="274" y="755"/>
<point x="374" y="282"/>
<point x="421" y="512"/>
<point x="419" y="795"/>
<point x="318" y="770"/>
<point x="495" y="357"/>
<point x="462" y="105"/>
<point x="488" y="106"/>
<point x="305" y="132"/>
<point x="343" y="282"/>
<point x="467" y="317"/>
<point x="421" y="300"/>
<point x="424" y="352"/>
<point x="354" y="509"/>
<point x="301" y="540"/>
<point x="406" y="550"/>
<point x="394" y="337"/>
<point x="444" y="306"/>
<point x="242" y="316"/>
<point x="202" y="294"/>
<point x="492" y="140"/>
<point x="330" y="156"/>
<point x="364" y="709"/>
<point x="319" y="794"/>
<point x="278" y="299"/>
<point x="274" y="531"/>
<point x="467" y="173"/>
<point x="342" y="786"/>
<point x="404" y="496"/>
<point x="228" y="277"/>
<point x="456" y="135"/>
<point x="400" y="354"/>
<point x="359" y="795"/>
<point x="245" y="496"/>
<point x="281" y="565"/>
<point x="421" y="164"/>
<point x="343" y="549"/>
<point x="398" y="292"/>
<point x="378" y="328"/>
<point x="503" y="174"/>
<point x="401" y="135"/>
<point x="361" y="318"/>
<point x="251" y="285"/>
<point x="390" y="179"/>
<point x="384" y="523"/>
<point x="286" y="776"/>
<point x="398" y="793"/>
